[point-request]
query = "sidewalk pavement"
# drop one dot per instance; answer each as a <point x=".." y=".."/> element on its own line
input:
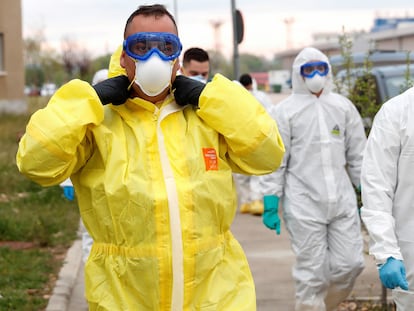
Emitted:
<point x="270" y="258"/>
<point x="68" y="289"/>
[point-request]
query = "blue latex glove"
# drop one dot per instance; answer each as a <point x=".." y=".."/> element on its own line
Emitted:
<point x="392" y="274"/>
<point x="270" y="215"/>
<point x="69" y="192"/>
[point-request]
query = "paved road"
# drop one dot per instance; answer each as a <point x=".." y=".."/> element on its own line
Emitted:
<point x="271" y="260"/>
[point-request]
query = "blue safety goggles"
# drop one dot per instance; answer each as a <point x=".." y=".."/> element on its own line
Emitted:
<point x="142" y="45"/>
<point x="309" y="70"/>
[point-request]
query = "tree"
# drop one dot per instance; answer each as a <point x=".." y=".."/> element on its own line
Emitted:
<point x="219" y="64"/>
<point x="34" y="75"/>
<point x="76" y="61"/>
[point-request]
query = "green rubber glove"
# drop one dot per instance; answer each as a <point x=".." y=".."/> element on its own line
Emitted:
<point x="270" y="215"/>
<point x="359" y="194"/>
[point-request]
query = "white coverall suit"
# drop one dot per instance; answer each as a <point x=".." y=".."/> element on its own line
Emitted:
<point x="324" y="140"/>
<point x="388" y="189"/>
<point x="248" y="189"/>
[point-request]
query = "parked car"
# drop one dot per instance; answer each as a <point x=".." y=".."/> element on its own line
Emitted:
<point x="376" y="58"/>
<point x="31" y="91"/>
<point x="48" y="89"/>
<point x="389" y="80"/>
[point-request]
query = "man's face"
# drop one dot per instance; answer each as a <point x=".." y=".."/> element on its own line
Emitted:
<point x="148" y="24"/>
<point x="195" y="68"/>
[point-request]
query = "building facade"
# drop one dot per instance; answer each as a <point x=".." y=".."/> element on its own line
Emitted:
<point x="392" y="39"/>
<point x="12" y="97"/>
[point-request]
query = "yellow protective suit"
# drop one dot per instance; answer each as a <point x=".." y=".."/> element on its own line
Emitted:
<point x="155" y="191"/>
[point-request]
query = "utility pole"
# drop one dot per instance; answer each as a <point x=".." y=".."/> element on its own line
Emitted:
<point x="175" y="12"/>
<point x="236" y="59"/>
<point x="289" y="21"/>
<point x="216" y="24"/>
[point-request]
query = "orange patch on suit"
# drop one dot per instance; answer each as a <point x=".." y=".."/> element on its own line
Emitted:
<point x="210" y="159"/>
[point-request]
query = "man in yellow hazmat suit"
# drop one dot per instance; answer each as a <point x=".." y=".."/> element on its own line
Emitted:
<point x="151" y="157"/>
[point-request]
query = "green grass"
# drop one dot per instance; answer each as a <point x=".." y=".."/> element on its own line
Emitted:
<point x="40" y="218"/>
<point x="23" y="275"/>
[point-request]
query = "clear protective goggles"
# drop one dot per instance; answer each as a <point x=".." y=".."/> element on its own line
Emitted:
<point x="142" y="45"/>
<point x="309" y="70"/>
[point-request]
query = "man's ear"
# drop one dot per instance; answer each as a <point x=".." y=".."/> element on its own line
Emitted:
<point x="177" y="66"/>
<point x="116" y="64"/>
<point x="122" y="59"/>
<point x="184" y="71"/>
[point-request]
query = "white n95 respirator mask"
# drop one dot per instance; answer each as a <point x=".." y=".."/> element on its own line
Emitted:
<point x="199" y="78"/>
<point x="316" y="83"/>
<point x="153" y="75"/>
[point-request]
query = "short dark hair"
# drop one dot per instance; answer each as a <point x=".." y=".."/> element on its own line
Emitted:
<point x="196" y="54"/>
<point x="246" y="79"/>
<point x="157" y="10"/>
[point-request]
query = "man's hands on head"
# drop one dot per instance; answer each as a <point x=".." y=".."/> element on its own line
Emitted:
<point x="187" y="91"/>
<point x="113" y="90"/>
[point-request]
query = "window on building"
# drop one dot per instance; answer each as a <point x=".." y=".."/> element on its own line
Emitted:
<point x="1" y="52"/>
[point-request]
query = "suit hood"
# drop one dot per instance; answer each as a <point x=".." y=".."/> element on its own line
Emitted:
<point x="307" y="55"/>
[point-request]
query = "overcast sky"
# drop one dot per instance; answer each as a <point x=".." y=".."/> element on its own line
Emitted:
<point x="98" y="25"/>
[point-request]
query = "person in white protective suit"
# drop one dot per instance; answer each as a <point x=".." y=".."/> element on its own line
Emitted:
<point x="249" y="196"/>
<point x="251" y="85"/>
<point x="151" y="156"/>
<point x="67" y="185"/>
<point x="388" y="196"/>
<point x="324" y="139"/>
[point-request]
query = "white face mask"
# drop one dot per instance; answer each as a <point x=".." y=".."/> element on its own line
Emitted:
<point x="199" y="78"/>
<point x="316" y="83"/>
<point x="153" y="76"/>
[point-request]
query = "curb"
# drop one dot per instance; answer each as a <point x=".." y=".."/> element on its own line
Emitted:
<point x="62" y="291"/>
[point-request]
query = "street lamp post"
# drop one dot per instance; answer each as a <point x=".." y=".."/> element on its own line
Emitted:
<point x="175" y="12"/>
<point x="236" y="61"/>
